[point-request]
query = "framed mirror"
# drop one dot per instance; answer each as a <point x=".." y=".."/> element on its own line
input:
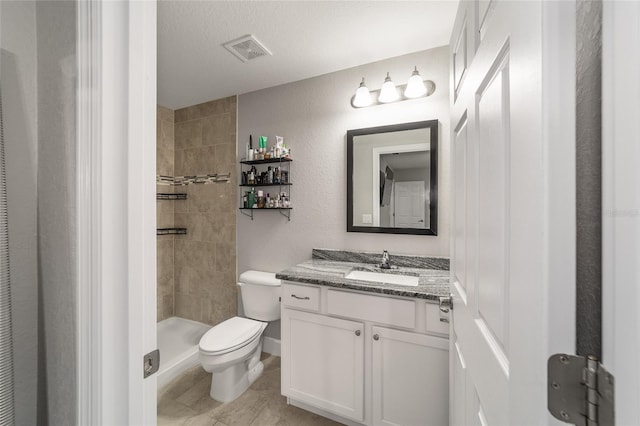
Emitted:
<point x="392" y="179"/>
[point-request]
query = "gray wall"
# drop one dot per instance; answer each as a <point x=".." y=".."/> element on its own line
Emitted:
<point x="313" y="116"/>
<point x="56" y="206"/>
<point x="19" y="95"/>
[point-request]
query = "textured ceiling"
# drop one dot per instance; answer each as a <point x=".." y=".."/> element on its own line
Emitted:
<point x="307" y="38"/>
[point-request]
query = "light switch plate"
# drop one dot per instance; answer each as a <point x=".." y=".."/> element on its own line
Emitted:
<point x="366" y="218"/>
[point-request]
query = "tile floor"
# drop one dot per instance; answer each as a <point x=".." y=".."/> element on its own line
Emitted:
<point x="186" y="401"/>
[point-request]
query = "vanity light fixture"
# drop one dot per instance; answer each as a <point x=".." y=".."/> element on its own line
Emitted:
<point x="415" y="88"/>
<point x="363" y="96"/>
<point x="388" y="93"/>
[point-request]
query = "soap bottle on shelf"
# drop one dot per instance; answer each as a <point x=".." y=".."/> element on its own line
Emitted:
<point x="260" y="200"/>
<point x="252" y="198"/>
<point x="252" y="175"/>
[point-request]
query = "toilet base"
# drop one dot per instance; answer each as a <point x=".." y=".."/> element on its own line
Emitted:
<point x="230" y="383"/>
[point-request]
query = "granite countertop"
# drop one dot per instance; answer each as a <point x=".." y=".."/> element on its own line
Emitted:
<point x="323" y="270"/>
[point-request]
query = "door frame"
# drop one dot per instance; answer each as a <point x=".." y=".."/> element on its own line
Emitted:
<point x="621" y="205"/>
<point x="116" y="247"/>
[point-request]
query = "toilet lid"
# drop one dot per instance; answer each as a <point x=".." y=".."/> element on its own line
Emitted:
<point x="231" y="334"/>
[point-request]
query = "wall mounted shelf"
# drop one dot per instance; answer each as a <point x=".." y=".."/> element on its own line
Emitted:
<point x="171" y="231"/>
<point x="266" y="184"/>
<point x="164" y="196"/>
<point x="283" y="162"/>
<point x="267" y="161"/>
<point x="284" y="211"/>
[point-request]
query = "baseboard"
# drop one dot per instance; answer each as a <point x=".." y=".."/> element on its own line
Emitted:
<point x="271" y="346"/>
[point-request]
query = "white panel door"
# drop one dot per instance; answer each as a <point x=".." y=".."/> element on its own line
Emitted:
<point x="323" y="362"/>
<point x="500" y="285"/>
<point x="408" y="373"/>
<point x="409" y="204"/>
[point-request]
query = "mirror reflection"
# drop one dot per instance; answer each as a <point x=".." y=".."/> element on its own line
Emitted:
<point x="392" y="186"/>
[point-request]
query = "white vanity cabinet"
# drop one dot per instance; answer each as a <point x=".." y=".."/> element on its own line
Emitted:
<point x="324" y="362"/>
<point x="408" y="373"/>
<point x="366" y="358"/>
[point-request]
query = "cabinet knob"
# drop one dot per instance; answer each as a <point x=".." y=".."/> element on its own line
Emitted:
<point x="357" y="332"/>
<point x="376" y="337"/>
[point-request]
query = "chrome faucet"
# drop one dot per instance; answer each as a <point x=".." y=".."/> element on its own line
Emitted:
<point x="386" y="263"/>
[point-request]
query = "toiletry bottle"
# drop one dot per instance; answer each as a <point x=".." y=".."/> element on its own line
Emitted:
<point x="270" y="175"/>
<point x="252" y="198"/>
<point x="268" y="201"/>
<point x="260" y="200"/>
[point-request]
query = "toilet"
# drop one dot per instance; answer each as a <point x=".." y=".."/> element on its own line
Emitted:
<point x="231" y="350"/>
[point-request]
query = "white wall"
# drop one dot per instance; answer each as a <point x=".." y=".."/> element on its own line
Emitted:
<point x="18" y="64"/>
<point x="313" y="116"/>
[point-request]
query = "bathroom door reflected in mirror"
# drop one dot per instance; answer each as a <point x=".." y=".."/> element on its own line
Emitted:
<point x="392" y="179"/>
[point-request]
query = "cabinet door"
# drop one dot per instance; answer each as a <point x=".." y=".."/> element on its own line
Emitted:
<point x="410" y="378"/>
<point x="323" y="362"/>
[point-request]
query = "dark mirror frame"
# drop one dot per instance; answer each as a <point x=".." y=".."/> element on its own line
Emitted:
<point x="432" y="125"/>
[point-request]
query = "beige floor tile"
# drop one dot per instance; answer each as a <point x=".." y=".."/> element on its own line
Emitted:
<point x="242" y="410"/>
<point x="171" y="412"/>
<point x="186" y="401"/>
<point x="205" y="404"/>
<point x="278" y="413"/>
<point x="200" y="420"/>
<point x="164" y="421"/>
<point x="194" y="394"/>
<point x="183" y="383"/>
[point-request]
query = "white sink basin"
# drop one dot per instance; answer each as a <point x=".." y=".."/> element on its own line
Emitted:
<point x="383" y="278"/>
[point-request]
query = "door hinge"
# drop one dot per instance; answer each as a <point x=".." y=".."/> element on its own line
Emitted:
<point x="580" y="390"/>
<point x="151" y="363"/>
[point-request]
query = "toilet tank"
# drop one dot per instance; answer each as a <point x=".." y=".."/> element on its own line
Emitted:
<point x="260" y="292"/>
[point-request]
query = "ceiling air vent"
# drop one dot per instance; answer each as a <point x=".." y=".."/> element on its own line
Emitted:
<point x="246" y="48"/>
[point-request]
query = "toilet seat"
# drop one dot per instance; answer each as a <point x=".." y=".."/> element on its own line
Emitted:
<point x="230" y="335"/>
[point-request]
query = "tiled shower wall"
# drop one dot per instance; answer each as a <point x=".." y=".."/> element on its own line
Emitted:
<point x="204" y="262"/>
<point x="165" y="166"/>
